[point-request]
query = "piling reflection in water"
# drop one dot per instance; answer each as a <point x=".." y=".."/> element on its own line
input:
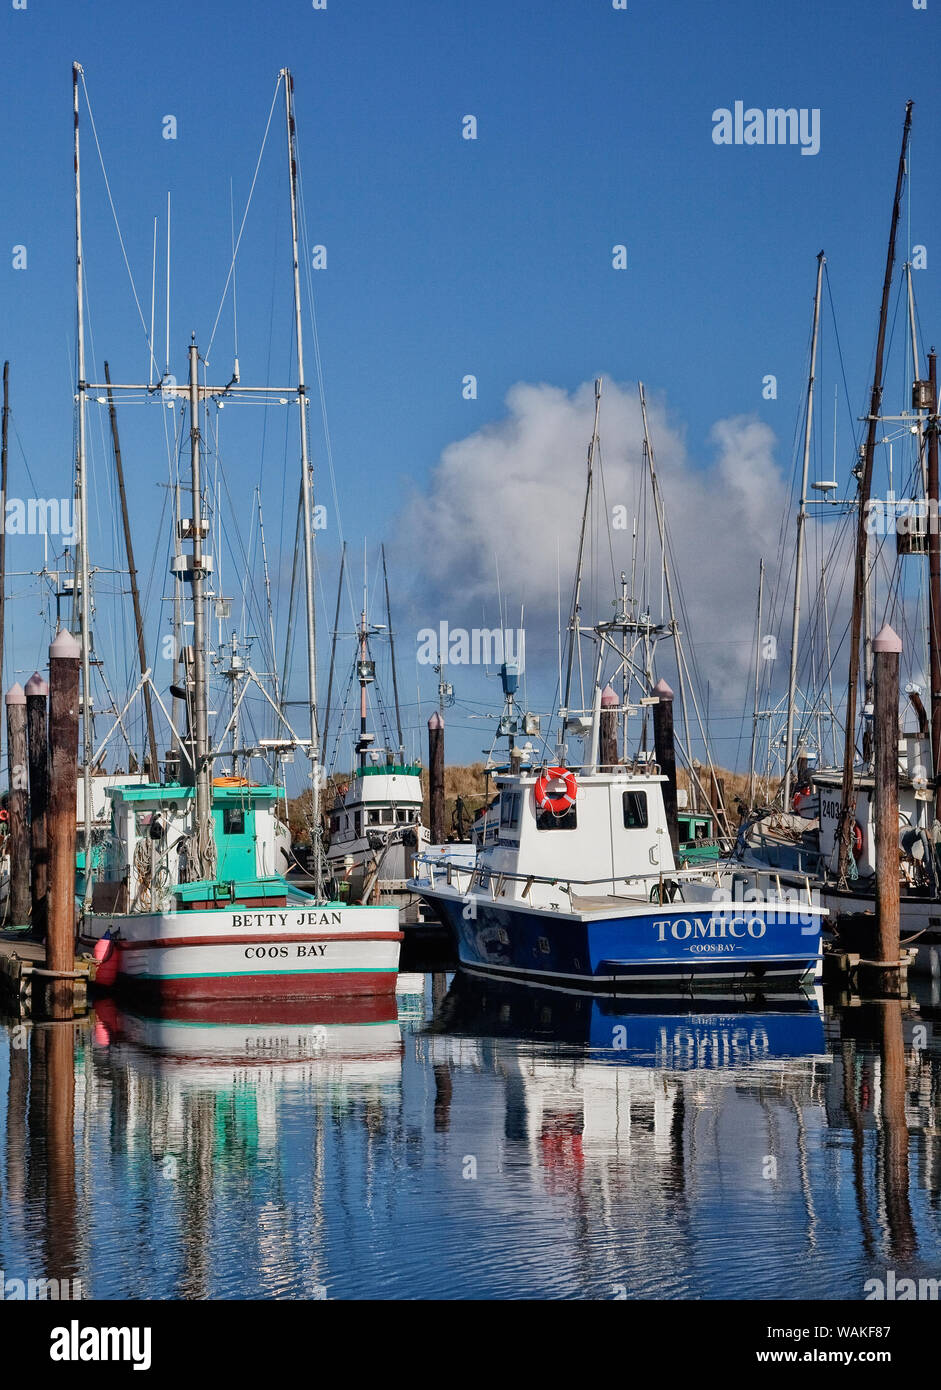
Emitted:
<point x="497" y="1141"/>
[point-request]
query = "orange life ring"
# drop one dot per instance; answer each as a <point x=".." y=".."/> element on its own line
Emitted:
<point x="857" y="841"/>
<point x="556" y="804"/>
<point x="4" y="815"/>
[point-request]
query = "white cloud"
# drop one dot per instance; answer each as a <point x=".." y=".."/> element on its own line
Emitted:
<point x="515" y="489"/>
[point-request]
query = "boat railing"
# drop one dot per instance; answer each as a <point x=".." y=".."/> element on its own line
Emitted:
<point x="469" y="878"/>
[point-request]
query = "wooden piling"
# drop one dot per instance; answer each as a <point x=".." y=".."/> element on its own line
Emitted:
<point x="37" y="699"/>
<point x="665" y="750"/>
<point x="436" y="777"/>
<point x="886" y="649"/>
<point x="608" y="758"/>
<point x="18" y="806"/>
<point x="64" y="661"/>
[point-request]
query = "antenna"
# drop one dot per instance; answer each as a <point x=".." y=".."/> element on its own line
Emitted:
<point x="166" y="371"/>
<point x="235" y="317"/>
<point x="153" y="297"/>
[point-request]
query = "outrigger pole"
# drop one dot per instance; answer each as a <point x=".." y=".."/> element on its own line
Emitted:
<point x="306" y="505"/>
<point x="799" y="559"/>
<point x="577" y="594"/>
<point x="395" y="683"/>
<point x="135" y="592"/>
<point x="848" y="792"/>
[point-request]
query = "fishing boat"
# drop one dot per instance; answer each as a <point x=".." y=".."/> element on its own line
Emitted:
<point x="581" y="886"/>
<point x="375" y="822"/>
<point x="186" y="898"/>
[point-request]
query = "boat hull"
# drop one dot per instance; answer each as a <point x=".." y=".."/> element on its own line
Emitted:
<point x="718" y="944"/>
<point x="248" y="954"/>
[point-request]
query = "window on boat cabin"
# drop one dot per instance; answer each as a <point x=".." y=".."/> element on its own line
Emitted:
<point x="388" y="815"/>
<point x="548" y="820"/>
<point x="372" y="817"/>
<point x="334" y="824"/>
<point x="233" y="821"/>
<point x="510" y="806"/>
<point x="402" y="817"/>
<point x="635" y="810"/>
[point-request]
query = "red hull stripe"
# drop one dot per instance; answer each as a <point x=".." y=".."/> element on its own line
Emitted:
<point x="256" y="987"/>
<point x="368" y="1009"/>
<point x="259" y="938"/>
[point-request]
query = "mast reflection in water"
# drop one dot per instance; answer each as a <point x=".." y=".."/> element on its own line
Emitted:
<point x="499" y="1142"/>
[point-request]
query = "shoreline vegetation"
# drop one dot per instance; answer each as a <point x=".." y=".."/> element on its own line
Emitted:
<point x="469" y="786"/>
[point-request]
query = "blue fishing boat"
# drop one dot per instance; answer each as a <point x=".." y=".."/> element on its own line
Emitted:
<point x="593" y="898"/>
<point x="577" y="881"/>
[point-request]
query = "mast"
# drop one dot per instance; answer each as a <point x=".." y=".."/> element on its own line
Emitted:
<point x="3" y="507"/>
<point x="200" y="697"/>
<point x="395" y="683"/>
<point x="799" y="561"/>
<point x="848" y="793"/>
<point x="668" y="581"/>
<point x="754" y="722"/>
<point x="577" y="594"/>
<point x="135" y="594"/>
<point x="306" y="504"/>
<point x="363" y="667"/>
<point x="934" y="583"/>
<point x="179" y="671"/>
<point x="80" y="574"/>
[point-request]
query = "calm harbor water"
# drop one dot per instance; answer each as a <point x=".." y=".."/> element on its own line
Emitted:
<point x="476" y="1141"/>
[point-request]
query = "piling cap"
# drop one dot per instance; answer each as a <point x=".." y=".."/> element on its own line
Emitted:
<point x="887" y="641"/>
<point x="36" y="685"/>
<point x="65" y="647"/>
<point x="436" y="722"/>
<point x="608" y="698"/>
<point x="662" y="690"/>
<point x="16" y="695"/>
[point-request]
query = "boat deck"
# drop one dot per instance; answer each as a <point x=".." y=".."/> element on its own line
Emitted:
<point x="607" y="902"/>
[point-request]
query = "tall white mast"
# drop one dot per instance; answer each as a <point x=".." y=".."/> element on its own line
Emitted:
<point x="306" y="504"/>
<point x="80" y="575"/>
<point x="799" y="561"/>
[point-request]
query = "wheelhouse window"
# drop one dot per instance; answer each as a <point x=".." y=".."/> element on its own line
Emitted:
<point x="548" y="820"/>
<point x="510" y="807"/>
<point x="372" y="817"/>
<point x="233" y="821"/>
<point x="635" y="810"/>
<point x="388" y="815"/>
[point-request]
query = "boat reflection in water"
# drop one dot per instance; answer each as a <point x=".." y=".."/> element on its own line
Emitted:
<point x="227" y="1119"/>
<point x="676" y="1033"/>
<point x="523" y="1143"/>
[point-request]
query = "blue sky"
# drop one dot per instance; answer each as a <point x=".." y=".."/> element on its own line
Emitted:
<point x="448" y="256"/>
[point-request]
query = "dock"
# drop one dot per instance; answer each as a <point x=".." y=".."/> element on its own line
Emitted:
<point x="23" y="963"/>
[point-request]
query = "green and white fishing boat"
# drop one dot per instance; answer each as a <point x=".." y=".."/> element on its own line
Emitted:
<point x="188" y="898"/>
